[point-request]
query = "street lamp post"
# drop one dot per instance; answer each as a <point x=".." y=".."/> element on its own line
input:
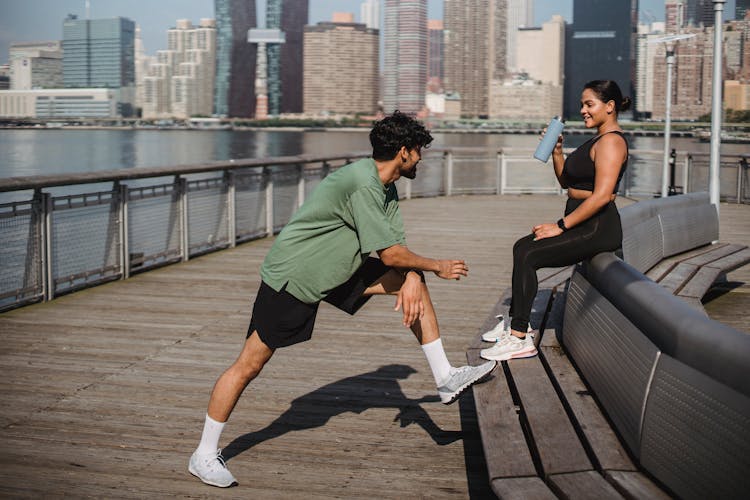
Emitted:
<point x="667" y="121"/>
<point x="716" y="107"/>
<point x="670" y="41"/>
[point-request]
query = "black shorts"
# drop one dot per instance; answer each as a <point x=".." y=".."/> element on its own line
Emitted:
<point x="281" y="319"/>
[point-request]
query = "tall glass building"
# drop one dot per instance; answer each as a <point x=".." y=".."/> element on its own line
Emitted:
<point x="100" y="53"/>
<point x="234" y="93"/>
<point x="600" y="45"/>
<point x="740" y="7"/>
<point x="405" y="32"/>
<point x="285" y="72"/>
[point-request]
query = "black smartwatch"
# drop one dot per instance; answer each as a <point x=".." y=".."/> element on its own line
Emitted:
<point x="561" y="225"/>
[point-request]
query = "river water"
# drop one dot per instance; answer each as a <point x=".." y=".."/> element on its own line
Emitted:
<point x="36" y="152"/>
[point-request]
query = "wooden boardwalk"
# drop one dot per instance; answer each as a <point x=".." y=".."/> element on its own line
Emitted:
<point x="104" y="391"/>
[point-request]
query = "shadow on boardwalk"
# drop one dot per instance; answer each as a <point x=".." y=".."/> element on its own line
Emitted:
<point x="376" y="389"/>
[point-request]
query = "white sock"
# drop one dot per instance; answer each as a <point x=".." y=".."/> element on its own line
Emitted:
<point x="210" y="437"/>
<point x="439" y="364"/>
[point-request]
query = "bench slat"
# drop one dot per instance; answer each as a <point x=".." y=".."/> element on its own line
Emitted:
<point x="554" y="280"/>
<point x="714" y="254"/>
<point x="658" y="272"/>
<point x="583" y="486"/>
<point x="603" y="441"/>
<point x="635" y="485"/>
<point x="678" y="276"/>
<point x="505" y="448"/>
<point x="733" y="261"/>
<point x="699" y="284"/>
<point x="557" y="444"/>
<point x="522" y="488"/>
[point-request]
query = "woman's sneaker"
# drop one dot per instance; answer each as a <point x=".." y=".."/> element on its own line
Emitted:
<point x="510" y="347"/>
<point x="211" y="469"/>
<point x="499" y="331"/>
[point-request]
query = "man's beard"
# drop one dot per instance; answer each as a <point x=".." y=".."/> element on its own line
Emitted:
<point x="411" y="173"/>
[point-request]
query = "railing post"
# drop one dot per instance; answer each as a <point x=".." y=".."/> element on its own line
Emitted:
<point x="739" y="182"/>
<point x="122" y="195"/>
<point x="686" y="173"/>
<point x="230" y="180"/>
<point x="498" y="171"/>
<point x="503" y="173"/>
<point x="269" y="200"/>
<point x="301" y="185"/>
<point x="182" y="189"/>
<point x="49" y="277"/>
<point x="449" y="173"/>
<point x="627" y="179"/>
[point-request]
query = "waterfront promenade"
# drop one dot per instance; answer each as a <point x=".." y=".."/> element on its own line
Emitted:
<point x="105" y="390"/>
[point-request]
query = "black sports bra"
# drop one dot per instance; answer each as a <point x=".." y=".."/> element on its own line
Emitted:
<point x="579" y="170"/>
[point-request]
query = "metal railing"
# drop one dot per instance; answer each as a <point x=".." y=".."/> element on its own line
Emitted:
<point x="74" y="231"/>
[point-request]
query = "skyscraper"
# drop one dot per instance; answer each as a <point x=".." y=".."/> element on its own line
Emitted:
<point x="370" y="13"/>
<point x="35" y="65"/>
<point x="100" y="53"/>
<point x="475" y="50"/>
<point x="740" y="8"/>
<point x="520" y="15"/>
<point x="700" y="13"/>
<point x="405" y="71"/>
<point x="674" y="15"/>
<point x="234" y="94"/>
<point x="599" y="46"/>
<point x="341" y="68"/>
<point x="435" y="54"/>
<point x="285" y="60"/>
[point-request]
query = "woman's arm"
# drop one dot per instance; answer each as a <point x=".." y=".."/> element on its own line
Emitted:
<point x="608" y="154"/>
<point x="558" y="161"/>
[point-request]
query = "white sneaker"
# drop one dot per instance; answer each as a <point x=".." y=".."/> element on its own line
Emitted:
<point x="461" y="379"/>
<point x="510" y="347"/>
<point x="211" y="469"/>
<point x="499" y="331"/>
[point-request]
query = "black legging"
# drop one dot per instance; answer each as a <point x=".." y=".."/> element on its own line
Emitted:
<point x="601" y="233"/>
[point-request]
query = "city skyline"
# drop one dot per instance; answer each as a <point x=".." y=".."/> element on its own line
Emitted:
<point x="21" y="22"/>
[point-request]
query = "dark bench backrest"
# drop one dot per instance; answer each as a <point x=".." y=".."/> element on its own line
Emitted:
<point x="675" y="383"/>
<point x="662" y="227"/>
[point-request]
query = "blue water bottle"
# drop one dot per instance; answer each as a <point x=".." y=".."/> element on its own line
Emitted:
<point x="548" y="142"/>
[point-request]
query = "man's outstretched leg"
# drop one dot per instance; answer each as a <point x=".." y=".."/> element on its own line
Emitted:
<point x="206" y="462"/>
<point x="450" y="381"/>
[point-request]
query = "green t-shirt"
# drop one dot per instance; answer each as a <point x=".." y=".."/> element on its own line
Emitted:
<point x="350" y="214"/>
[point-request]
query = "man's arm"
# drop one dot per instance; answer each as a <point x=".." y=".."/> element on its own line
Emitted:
<point x="401" y="257"/>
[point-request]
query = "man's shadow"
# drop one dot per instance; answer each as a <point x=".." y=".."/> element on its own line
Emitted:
<point x="376" y="389"/>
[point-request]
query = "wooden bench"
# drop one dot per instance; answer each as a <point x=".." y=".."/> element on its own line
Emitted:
<point x="543" y="431"/>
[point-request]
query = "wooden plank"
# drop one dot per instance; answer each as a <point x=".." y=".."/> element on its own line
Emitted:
<point x="557" y="279"/>
<point x="634" y="485"/>
<point x="699" y="284"/>
<point x="505" y="448"/>
<point x="582" y="486"/>
<point x="522" y="488"/>
<point x="678" y="276"/>
<point x="555" y="439"/>
<point x="714" y="254"/>
<point x="733" y="261"/>
<point x="657" y="272"/>
<point x="601" y="438"/>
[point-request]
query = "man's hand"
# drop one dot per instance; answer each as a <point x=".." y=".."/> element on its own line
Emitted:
<point x="410" y="297"/>
<point x="452" y="269"/>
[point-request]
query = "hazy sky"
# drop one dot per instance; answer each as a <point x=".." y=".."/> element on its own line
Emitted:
<point x="30" y="20"/>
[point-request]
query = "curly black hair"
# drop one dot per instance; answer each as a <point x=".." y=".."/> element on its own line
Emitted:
<point x="394" y="131"/>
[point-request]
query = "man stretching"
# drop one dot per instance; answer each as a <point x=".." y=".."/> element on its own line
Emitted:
<point x="323" y="253"/>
